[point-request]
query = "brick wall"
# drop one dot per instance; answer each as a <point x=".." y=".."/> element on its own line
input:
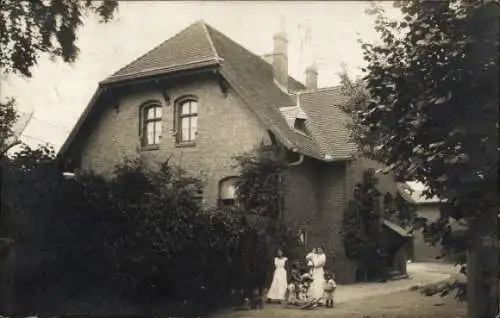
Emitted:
<point x="315" y="202"/>
<point x="386" y="182"/>
<point x="316" y="192"/>
<point x="226" y="126"/>
<point x="333" y="197"/>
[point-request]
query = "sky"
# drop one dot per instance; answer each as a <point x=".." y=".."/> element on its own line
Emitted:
<point x="57" y="93"/>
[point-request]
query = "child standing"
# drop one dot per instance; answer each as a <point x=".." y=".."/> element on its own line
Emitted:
<point x="330" y="287"/>
<point x="279" y="285"/>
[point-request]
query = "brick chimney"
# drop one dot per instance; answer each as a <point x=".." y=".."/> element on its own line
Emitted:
<point x="311" y="78"/>
<point x="280" y="59"/>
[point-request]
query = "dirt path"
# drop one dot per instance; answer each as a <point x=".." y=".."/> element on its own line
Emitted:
<point x="405" y="304"/>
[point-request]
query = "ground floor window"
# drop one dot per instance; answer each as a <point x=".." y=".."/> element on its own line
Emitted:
<point x="227" y="191"/>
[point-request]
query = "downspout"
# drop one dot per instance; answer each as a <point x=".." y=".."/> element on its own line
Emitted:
<point x="298" y="162"/>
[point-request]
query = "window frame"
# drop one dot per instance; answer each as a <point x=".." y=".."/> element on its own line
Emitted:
<point x="145" y="122"/>
<point x="227" y="202"/>
<point x="179" y="118"/>
<point x="300" y="125"/>
<point x="302" y="233"/>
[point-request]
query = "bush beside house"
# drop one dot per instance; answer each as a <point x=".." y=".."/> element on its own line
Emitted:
<point x="373" y="230"/>
<point x="140" y="234"/>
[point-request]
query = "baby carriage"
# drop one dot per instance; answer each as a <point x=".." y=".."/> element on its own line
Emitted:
<point x="305" y="300"/>
<point x="298" y="290"/>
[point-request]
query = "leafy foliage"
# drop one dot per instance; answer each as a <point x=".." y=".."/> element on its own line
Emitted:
<point x="140" y="233"/>
<point x="432" y="112"/>
<point x="31" y="28"/>
<point x="260" y="188"/>
<point x="8" y="116"/>
<point x="361" y="228"/>
<point x="399" y="211"/>
<point x="358" y="97"/>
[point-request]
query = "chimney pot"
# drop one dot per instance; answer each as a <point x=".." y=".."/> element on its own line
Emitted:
<point x="311" y="78"/>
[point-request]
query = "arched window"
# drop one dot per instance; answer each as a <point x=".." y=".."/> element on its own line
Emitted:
<point x="187" y="120"/>
<point x="151" y="115"/>
<point x="227" y="191"/>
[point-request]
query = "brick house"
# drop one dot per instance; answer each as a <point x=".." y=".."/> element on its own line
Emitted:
<point x="200" y="98"/>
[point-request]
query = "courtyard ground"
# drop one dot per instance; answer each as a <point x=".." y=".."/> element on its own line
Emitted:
<point x="391" y="299"/>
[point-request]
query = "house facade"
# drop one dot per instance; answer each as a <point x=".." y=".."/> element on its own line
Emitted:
<point x="199" y="99"/>
<point x="412" y="193"/>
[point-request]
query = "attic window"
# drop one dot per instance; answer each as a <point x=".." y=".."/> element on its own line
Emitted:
<point x="300" y="125"/>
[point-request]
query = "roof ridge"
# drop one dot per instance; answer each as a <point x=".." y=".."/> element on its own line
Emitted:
<point x="210" y="40"/>
<point x="210" y="29"/>
<point x="322" y="89"/>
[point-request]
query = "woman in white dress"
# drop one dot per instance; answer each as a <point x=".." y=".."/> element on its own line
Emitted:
<point x="318" y="274"/>
<point x="279" y="285"/>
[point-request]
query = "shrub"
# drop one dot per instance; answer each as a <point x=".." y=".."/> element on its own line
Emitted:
<point x="360" y="224"/>
<point x="141" y="233"/>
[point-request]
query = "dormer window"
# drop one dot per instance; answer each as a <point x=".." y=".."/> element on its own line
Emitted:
<point x="300" y="125"/>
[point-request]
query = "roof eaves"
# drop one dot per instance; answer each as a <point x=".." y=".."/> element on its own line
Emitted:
<point x="333" y="158"/>
<point x="161" y="70"/>
<point x="321" y="89"/>
<point x="90" y="106"/>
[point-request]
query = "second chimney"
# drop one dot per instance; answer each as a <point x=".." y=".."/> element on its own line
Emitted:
<point x="311" y="78"/>
<point x="280" y="59"/>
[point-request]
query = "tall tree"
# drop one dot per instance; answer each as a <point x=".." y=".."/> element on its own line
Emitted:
<point x="433" y="110"/>
<point x="31" y="28"/>
<point x="8" y="117"/>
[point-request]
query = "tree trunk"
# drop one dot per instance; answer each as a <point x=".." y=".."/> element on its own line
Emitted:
<point x="482" y="269"/>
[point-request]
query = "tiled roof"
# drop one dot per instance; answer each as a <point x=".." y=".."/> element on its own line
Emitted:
<point x="397" y="229"/>
<point x="200" y="45"/>
<point x="290" y="114"/>
<point x="328" y="122"/>
<point x="412" y="192"/>
<point x="253" y="79"/>
<point x="191" y="46"/>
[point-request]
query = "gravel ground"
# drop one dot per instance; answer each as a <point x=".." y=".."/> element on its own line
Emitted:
<point x="403" y="304"/>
